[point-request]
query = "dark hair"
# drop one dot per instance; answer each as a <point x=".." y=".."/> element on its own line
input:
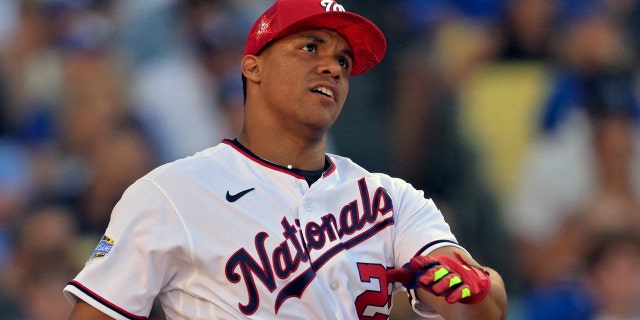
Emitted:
<point x="244" y="88"/>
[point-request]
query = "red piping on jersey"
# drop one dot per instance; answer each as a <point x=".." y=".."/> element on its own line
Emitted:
<point x="105" y="302"/>
<point x="332" y="167"/>
<point x="431" y="244"/>
<point x="247" y="153"/>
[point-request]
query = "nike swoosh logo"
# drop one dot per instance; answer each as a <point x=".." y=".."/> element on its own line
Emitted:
<point x="235" y="197"/>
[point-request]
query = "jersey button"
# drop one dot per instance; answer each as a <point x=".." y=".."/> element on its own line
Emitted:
<point x="308" y="207"/>
<point x="295" y="183"/>
<point x="334" y="286"/>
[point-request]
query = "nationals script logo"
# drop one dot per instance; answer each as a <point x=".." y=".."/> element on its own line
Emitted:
<point x="359" y="219"/>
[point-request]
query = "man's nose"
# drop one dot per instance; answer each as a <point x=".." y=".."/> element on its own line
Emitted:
<point x="331" y="66"/>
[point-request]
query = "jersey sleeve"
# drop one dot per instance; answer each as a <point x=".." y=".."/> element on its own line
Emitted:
<point x="420" y="229"/>
<point x="420" y="226"/>
<point x="143" y="247"/>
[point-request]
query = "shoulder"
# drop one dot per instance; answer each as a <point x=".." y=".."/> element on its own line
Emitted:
<point x="210" y="160"/>
<point x="348" y="169"/>
<point x="180" y="181"/>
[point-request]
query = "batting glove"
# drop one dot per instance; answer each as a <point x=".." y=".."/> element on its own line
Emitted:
<point x="457" y="281"/>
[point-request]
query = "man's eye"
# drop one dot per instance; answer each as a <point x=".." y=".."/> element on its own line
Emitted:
<point x="309" y="47"/>
<point x="344" y="62"/>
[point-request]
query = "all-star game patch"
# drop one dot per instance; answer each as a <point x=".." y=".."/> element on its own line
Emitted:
<point x="102" y="249"/>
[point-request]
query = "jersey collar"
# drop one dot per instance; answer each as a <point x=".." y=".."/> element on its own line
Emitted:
<point x="330" y="166"/>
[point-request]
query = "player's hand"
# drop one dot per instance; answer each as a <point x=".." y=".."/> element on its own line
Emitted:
<point x="456" y="280"/>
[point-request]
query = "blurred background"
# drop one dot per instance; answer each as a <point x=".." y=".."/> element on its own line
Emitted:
<point x="518" y="117"/>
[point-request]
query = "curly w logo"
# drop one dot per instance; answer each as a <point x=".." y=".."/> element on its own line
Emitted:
<point x="331" y="5"/>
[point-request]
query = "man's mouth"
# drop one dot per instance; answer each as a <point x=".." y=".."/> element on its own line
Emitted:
<point x="324" y="91"/>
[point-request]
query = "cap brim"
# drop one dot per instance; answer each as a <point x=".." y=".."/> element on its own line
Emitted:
<point x="365" y="38"/>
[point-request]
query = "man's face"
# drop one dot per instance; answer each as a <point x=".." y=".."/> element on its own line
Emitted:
<point x="305" y="78"/>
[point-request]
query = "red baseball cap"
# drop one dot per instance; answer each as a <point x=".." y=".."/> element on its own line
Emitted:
<point x="285" y="17"/>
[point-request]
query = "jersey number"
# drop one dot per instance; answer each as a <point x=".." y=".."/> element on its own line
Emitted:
<point x="373" y="299"/>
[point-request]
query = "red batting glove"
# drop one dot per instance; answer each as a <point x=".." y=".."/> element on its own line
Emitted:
<point x="457" y="281"/>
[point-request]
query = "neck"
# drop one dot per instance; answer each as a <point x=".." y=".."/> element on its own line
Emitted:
<point x="291" y="152"/>
<point x="283" y="139"/>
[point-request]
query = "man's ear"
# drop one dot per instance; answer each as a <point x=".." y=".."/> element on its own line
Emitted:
<point x="251" y="68"/>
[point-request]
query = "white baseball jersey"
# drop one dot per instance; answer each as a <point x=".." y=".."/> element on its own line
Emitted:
<point x="224" y="234"/>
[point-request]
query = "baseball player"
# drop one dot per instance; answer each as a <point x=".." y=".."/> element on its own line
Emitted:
<point x="268" y="225"/>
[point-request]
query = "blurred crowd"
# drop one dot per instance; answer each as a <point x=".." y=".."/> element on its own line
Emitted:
<point x="518" y="117"/>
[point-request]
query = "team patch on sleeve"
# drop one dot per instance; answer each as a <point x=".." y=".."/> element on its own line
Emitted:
<point x="102" y="249"/>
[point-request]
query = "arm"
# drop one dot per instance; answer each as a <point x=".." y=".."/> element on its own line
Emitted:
<point x="492" y="306"/>
<point x="84" y="311"/>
